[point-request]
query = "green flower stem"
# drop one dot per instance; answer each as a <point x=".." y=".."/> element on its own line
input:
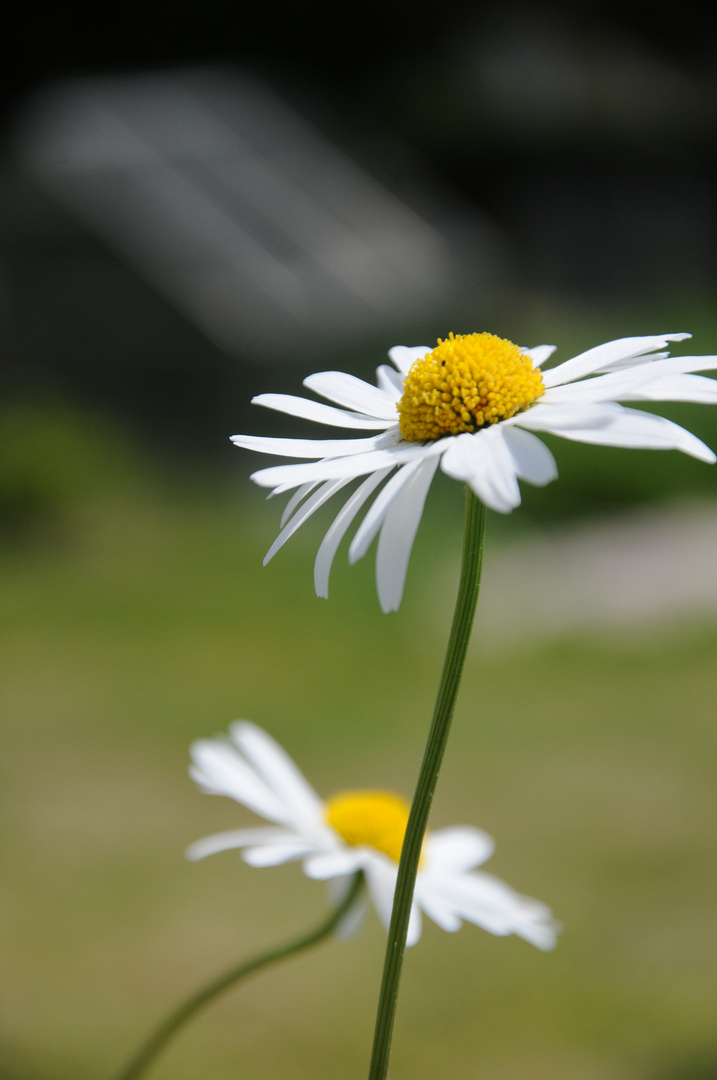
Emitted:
<point x="463" y="616"/>
<point x="180" y="1016"/>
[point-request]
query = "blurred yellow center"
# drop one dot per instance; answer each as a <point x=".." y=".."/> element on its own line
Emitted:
<point x="375" y="819"/>
<point x="466" y="383"/>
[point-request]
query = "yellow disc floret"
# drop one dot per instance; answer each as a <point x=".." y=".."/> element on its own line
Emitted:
<point x="375" y="819"/>
<point x="466" y="383"/>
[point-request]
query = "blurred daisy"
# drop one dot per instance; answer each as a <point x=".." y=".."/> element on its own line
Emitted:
<point x="471" y="404"/>
<point x="357" y="831"/>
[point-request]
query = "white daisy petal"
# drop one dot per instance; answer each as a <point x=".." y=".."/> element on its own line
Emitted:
<point x="298" y="496"/>
<point x="378" y="510"/>
<point x="638" y="384"/>
<point x="414" y="926"/>
<point x="539" y="931"/>
<point x="501" y="482"/>
<point x="381" y="882"/>
<point x="490" y="904"/>
<point x="330" y="864"/>
<point x="308" y="448"/>
<point x="353" y="393"/>
<point x="276" y="767"/>
<point x="532" y="459"/>
<point x="591" y="391"/>
<point x="457" y="849"/>
<point x="325" y="492"/>
<point x="398" y="533"/>
<point x="322" y="414"/>
<point x="560" y="418"/>
<point x="390" y="381"/>
<point x="237" y="838"/>
<point x="643" y="431"/>
<point x="276" y="854"/>
<point x="695" y="388"/>
<point x="403" y="356"/>
<point x="337" y="530"/>
<point x="635" y="363"/>
<point x="478" y="894"/>
<point x="540" y="353"/>
<point x="353" y="919"/>
<point x="439" y="910"/>
<point x="338" y="889"/>
<point x="604" y="357"/>
<point x="483" y="461"/>
<point x="494" y="485"/>
<point x="333" y="468"/>
<point x="460" y="457"/>
<point x="678" y="365"/>
<point x="220" y="770"/>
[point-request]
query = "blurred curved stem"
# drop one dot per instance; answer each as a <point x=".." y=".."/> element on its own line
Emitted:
<point x="186" y="1011"/>
<point x="461" y="627"/>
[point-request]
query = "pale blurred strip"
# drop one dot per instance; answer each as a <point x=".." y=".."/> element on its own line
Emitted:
<point x="251" y="222"/>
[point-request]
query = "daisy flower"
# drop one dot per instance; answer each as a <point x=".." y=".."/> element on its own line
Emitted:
<point x="357" y="831"/>
<point x="472" y="405"/>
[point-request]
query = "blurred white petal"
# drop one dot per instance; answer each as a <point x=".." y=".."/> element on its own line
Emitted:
<point x="276" y="767"/>
<point x="447" y="890"/>
<point x="237" y="838"/>
<point x="456" y="849"/>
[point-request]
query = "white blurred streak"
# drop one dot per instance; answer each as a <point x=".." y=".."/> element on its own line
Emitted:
<point x="252" y="223"/>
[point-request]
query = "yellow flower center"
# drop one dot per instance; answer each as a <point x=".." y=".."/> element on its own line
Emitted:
<point x="374" y="819"/>
<point x="466" y="383"/>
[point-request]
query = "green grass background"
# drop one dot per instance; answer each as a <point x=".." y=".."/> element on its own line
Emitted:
<point x="137" y="616"/>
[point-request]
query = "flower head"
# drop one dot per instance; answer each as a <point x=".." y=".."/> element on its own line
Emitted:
<point x="357" y="831"/>
<point x="471" y="405"/>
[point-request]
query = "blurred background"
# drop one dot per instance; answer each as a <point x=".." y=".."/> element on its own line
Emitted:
<point x="201" y="204"/>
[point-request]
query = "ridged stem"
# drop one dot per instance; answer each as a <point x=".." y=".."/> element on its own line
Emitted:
<point x="461" y="627"/>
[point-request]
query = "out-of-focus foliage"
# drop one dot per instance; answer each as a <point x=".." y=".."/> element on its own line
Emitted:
<point x="54" y="461"/>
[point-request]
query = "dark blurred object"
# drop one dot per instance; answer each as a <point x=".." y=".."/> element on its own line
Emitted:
<point x="693" y="1066"/>
<point x="589" y="134"/>
<point x="261" y="231"/>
